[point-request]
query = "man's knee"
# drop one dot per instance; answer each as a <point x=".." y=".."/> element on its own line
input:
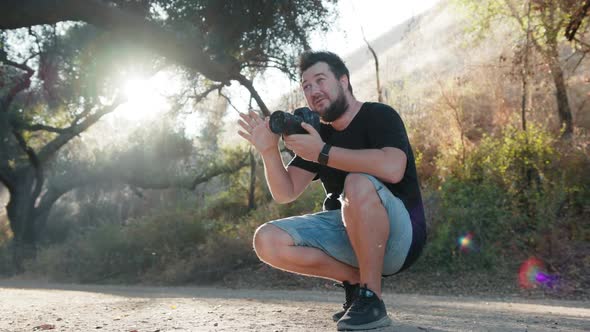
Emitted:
<point x="359" y="192"/>
<point x="268" y="239"/>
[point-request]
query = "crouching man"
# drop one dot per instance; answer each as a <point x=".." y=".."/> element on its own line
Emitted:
<point x="373" y="220"/>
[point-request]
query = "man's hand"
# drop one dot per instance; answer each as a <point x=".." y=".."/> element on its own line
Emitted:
<point x="306" y="146"/>
<point x="257" y="132"/>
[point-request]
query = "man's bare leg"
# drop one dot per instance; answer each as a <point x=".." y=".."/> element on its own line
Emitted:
<point x="367" y="225"/>
<point x="276" y="248"/>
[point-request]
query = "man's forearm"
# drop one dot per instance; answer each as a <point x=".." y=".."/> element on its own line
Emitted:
<point x="387" y="164"/>
<point x="278" y="180"/>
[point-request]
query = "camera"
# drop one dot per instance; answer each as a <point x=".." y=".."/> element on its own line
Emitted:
<point x="288" y="124"/>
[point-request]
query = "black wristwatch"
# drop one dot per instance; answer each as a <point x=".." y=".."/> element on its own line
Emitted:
<point x="323" y="157"/>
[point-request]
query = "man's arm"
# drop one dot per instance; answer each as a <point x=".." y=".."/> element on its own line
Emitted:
<point x="285" y="184"/>
<point x="387" y="164"/>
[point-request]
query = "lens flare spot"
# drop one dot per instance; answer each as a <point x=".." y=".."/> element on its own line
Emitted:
<point x="532" y="274"/>
<point x="466" y="242"/>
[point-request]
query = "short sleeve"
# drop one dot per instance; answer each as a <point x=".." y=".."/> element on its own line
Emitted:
<point x="386" y="129"/>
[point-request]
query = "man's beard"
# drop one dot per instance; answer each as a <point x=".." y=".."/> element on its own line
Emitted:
<point x="336" y="109"/>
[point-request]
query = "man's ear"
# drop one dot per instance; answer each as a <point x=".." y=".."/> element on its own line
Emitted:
<point x="344" y="82"/>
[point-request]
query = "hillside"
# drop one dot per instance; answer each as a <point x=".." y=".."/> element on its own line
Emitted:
<point x="418" y="55"/>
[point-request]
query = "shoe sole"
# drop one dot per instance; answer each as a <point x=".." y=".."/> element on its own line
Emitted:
<point x="383" y="322"/>
<point x="336" y="317"/>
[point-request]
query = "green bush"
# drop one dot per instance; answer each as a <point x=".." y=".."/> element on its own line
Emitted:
<point x="173" y="246"/>
<point x="519" y="194"/>
<point x="516" y="160"/>
<point x="466" y="207"/>
<point x="123" y="252"/>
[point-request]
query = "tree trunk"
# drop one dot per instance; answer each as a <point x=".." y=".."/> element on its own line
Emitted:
<point x="22" y="216"/>
<point x="251" y="193"/>
<point x="552" y="56"/>
<point x="525" y="70"/>
<point x="563" y="105"/>
<point x="379" y="91"/>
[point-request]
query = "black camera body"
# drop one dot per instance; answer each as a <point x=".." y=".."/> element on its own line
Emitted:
<point x="285" y="123"/>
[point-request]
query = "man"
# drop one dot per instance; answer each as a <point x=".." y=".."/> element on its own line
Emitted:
<point x="373" y="220"/>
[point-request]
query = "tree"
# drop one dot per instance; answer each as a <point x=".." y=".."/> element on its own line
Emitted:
<point x="576" y="20"/>
<point x="195" y="34"/>
<point x="58" y="89"/>
<point x="544" y="24"/>
<point x="379" y="90"/>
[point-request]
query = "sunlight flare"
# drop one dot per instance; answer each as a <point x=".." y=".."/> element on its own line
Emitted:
<point x="146" y="98"/>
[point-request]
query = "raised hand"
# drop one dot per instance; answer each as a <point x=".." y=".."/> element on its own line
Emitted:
<point x="257" y="131"/>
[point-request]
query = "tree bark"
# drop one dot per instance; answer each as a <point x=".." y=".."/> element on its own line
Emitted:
<point x="525" y="69"/>
<point x="252" y="189"/>
<point x="576" y="20"/>
<point x="563" y="106"/>
<point x="549" y="49"/>
<point x="21" y="215"/>
<point x="379" y="91"/>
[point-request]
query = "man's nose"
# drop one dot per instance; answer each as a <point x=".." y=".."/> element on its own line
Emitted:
<point x="314" y="89"/>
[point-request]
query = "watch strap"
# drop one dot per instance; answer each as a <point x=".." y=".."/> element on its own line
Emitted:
<point x="324" y="154"/>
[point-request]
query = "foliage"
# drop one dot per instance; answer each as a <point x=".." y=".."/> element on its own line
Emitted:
<point x="464" y="208"/>
<point x="73" y="73"/>
<point x="514" y="194"/>
<point x="109" y="251"/>
<point x="261" y="34"/>
<point x="168" y="245"/>
<point x="548" y="18"/>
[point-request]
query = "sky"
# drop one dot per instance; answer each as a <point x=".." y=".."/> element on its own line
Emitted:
<point x="375" y="16"/>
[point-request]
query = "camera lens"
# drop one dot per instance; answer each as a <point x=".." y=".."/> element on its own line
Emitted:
<point x="288" y="124"/>
<point x="277" y="122"/>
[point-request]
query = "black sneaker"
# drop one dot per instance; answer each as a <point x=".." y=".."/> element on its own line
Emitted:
<point x="350" y="293"/>
<point x="366" y="312"/>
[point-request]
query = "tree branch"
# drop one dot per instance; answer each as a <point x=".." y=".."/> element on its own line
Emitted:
<point x="178" y="47"/>
<point x="49" y="150"/>
<point x="582" y="43"/>
<point x="24" y="83"/>
<point x="248" y="85"/>
<point x="174" y="45"/>
<point x="226" y="168"/>
<point x="229" y="101"/>
<point x="34" y="160"/>
<point x="379" y="92"/>
<point x="41" y="127"/>
<point x="182" y="183"/>
<point x="576" y="20"/>
<point x="198" y="98"/>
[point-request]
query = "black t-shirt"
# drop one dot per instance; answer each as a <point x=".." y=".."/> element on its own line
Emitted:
<point x="375" y="126"/>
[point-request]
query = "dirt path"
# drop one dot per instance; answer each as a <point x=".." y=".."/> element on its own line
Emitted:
<point x="27" y="306"/>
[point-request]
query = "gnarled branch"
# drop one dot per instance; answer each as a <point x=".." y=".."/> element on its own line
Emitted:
<point x="576" y="20"/>
<point x="24" y="83"/>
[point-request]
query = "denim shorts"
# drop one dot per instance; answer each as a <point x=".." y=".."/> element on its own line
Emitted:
<point x="326" y="231"/>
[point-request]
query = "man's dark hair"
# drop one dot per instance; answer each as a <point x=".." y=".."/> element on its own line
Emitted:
<point x="337" y="66"/>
